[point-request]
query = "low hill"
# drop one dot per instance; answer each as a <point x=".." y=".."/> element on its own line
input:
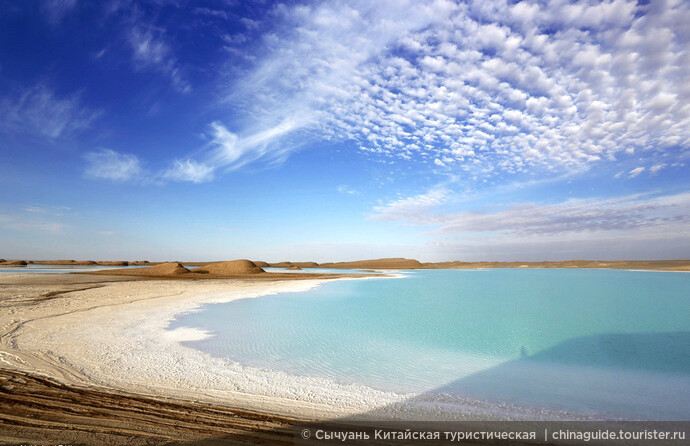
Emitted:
<point x="169" y="269"/>
<point x="230" y="268"/>
<point x="14" y="263"/>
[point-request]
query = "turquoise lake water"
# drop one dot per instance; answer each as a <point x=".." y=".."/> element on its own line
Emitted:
<point x="605" y="343"/>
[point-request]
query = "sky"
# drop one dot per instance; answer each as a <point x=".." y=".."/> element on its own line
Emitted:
<point x="343" y="130"/>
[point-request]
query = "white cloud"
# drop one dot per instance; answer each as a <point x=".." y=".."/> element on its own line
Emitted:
<point x="317" y="56"/>
<point x="486" y="87"/>
<point x="39" y="111"/>
<point x="30" y="208"/>
<point x="189" y="170"/>
<point x="628" y="215"/>
<point x="228" y="151"/>
<point x="635" y="172"/>
<point x="150" y="51"/>
<point x="345" y="189"/>
<point x="218" y="13"/>
<point x="107" y="164"/>
<point x="57" y="211"/>
<point x="412" y="209"/>
<point x="489" y="84"/>
<point x="656" y="168"/>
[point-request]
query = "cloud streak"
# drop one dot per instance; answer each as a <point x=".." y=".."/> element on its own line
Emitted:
<point x="414" y="209"/>
<point x="39" y="111"/>
<point x="227" y="151"/>
<point x="37" y="219"/>
<point x="669" y="214"/>
<point x="150" y="51"/>
<point x="107" y="164"/>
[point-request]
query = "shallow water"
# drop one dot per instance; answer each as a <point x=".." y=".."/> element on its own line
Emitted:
<point x="605" y="343"/>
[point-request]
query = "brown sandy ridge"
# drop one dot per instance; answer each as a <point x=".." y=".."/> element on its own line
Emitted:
<point x="219" y="270"/>
<point x="402" y="263"/>
<point x="39" y="410"/>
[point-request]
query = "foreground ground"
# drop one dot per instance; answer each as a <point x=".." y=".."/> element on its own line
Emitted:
<point x="39" y="410"/>
<point x="45" y="401"/>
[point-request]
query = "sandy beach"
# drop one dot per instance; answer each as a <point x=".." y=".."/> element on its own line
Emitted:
<point x="101" y="333"/>
<point x="71" y="337"/>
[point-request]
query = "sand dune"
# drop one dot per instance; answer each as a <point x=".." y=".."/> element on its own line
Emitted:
<point x="171" y="269"/>
<point x="114" y="263"/>
<point x="260" y="263"/>
<point x="14" y="263"/>
<point x="219" y="270"/>
<point x="230" y="268"/>
<point x="294" y="268"/>
<point x="280" y="265"/>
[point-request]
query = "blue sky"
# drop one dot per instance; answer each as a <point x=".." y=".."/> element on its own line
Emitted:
<point x="339" y="130"/>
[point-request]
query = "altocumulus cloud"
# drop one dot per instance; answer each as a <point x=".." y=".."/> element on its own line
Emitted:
<point x="491" y="85"/>
<point x="488" y="87"/>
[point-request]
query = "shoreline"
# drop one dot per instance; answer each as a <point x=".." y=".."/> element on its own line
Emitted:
<point x="112" y="335"/>
<point x="54" y="341"/>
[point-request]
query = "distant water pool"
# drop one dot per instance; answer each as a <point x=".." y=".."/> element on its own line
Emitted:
<point x="602" y="343"/>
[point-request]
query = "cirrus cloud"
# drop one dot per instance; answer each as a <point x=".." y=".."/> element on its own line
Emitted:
<point x="107" y="164"/>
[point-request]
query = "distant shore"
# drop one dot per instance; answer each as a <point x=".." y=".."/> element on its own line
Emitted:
<point x="390" y="263"/>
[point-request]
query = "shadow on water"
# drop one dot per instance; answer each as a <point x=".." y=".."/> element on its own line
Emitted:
<point x="637" y="376"/>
